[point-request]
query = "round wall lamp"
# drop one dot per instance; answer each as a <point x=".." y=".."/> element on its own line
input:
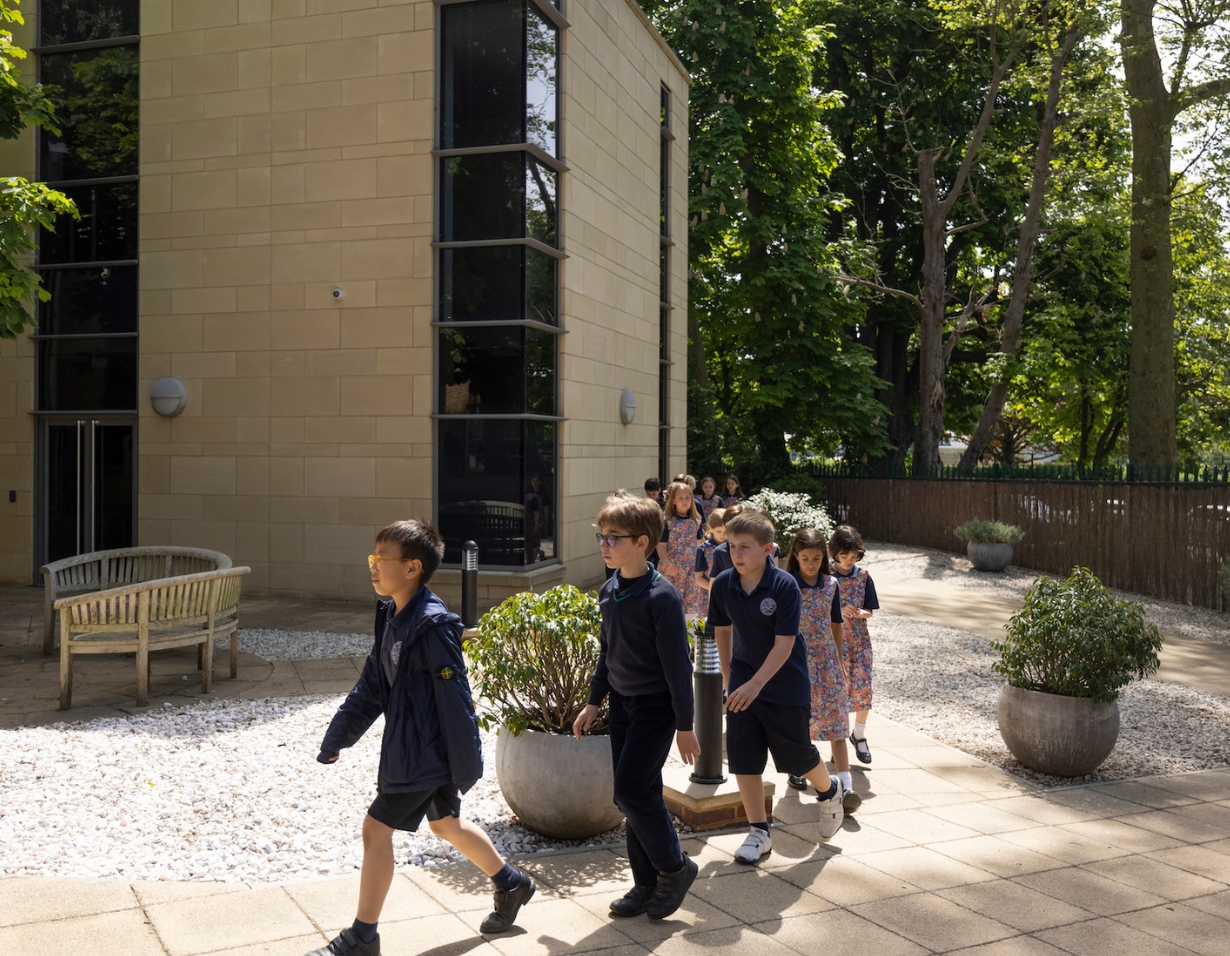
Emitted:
<point x="627" y="406"/>
<point x="168" y="396"/>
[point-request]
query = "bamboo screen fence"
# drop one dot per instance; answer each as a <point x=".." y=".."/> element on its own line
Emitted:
<point x="1169" y="541"/>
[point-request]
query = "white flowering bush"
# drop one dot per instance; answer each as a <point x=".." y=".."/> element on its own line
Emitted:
<point x="790" y="513"/>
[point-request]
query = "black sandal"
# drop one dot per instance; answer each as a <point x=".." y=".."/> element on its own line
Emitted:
<point x="799" y="783"/>
<point x="861" y="750"/>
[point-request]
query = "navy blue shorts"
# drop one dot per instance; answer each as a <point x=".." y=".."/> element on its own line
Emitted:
<point x="764" y="728"/>
<point x="405" y="811"/>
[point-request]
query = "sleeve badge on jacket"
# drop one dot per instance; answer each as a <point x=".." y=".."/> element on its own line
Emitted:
<point x="446" y="673"/>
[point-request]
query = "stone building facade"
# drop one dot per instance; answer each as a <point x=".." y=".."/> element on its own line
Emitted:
<point x="404" y="259"/>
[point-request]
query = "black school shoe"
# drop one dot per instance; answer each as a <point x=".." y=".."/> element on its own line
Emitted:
<point x="507" y="903"/>
<point x="799" y="783"/>
<point x="671" y="889"/>
<point x="346" y="943"/>
<point x="634" y="902"/>
<point x="861" y="750"/>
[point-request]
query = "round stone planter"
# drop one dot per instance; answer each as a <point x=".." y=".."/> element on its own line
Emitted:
<point x="989" y="557"/>
<point x="559" y="786"/>
<point x="1050" y="733"/>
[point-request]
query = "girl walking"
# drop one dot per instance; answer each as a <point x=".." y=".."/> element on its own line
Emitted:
<point x="715" y="534"/>
<point x="734" y="491"/>
<point x="709" y="499"/>
<point x="821" y="625"/>
<point x="858" y="602"/>
<point x="677" y="548"/>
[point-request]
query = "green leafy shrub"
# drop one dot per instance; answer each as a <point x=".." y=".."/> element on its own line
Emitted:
<point x="802" y="484"/>
<point x="978" y="531"/>
<point x="533" y="657"/>
<point x="790" y="513"/>
<point x="1077" y="639"/>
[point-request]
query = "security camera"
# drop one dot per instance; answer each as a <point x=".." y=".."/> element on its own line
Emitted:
<point x="339" y="293"/>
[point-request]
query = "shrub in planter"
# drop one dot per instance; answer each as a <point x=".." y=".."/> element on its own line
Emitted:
<point x="1067" y="653"/>
<point x="989" y="543"/>
<point x="533" y="656"/>
<point x="790" y="513"/>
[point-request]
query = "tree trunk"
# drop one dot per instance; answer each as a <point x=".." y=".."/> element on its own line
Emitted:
<point x="1151" y="372"/>
<point x="931" y="337"/>
<point x="1022" y="277"/>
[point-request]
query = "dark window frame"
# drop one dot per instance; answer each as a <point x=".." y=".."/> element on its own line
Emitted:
<point x="665" y="256"/>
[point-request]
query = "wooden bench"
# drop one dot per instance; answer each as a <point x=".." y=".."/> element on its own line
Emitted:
<point x="98" y="570"/>
<point x="152" y="615"/>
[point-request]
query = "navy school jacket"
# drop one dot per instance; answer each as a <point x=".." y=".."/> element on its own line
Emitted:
<point x="430" y="728"/>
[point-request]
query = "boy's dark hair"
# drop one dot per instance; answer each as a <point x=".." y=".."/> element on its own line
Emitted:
<point x="418" y="540"/>
<point x="805" y="540"/>
<point x="753" y="523"/>
<point x="652" y="484"/>
<point x="635" y="515"/>
<point x="844" y="539"/>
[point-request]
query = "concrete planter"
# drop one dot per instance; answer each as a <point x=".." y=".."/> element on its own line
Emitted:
<point x="559" y="786"/>
<point x="989" y="557"/>
<point x="1050" y="733"/>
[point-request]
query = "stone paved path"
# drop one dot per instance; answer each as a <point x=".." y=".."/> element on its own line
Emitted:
<point x="948" y="855"/>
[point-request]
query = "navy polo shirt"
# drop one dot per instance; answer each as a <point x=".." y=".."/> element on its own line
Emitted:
<point x="643" y="645"/>
<point x="772" y="608"/>
<point x="396" y="631"/>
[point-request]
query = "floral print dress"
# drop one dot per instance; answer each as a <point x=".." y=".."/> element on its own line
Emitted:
<point x="857" y="639"/>
<point x="830" y="699"/>
<point x="678" y="568"/>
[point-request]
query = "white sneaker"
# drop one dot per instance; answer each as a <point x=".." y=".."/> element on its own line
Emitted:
<point x="758" y="843"/>
<point x="831" y="810"/>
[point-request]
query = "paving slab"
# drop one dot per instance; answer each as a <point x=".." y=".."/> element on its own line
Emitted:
<point x="934" y="922"/>
<point x="1106" y="937"/>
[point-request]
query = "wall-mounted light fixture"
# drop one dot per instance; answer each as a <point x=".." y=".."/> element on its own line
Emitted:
<point x="168" y="396"/>
<point x="627" y="406"/>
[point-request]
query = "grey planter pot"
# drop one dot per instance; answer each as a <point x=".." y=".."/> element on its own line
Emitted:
<point x="559" y="786"/>
<point x="989" y="557"/>
<point x="1050" y="733"/>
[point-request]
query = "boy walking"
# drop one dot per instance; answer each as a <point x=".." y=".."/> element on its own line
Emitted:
<point x="754" y="608"/>
<point x="643" y="665"/>
<point x="431" y="752"/>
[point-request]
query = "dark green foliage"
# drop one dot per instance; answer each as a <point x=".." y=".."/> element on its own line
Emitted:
<point x="533" y="657"/>
<point x="1076" y="639"/>
<point x="981" y="531"/>
<point x="801" y="483"/>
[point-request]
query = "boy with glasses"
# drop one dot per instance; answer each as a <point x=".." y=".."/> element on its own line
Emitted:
<point x="431" y="752"/>
<point x="754" y="609"/>
<point x="643" y="665"/>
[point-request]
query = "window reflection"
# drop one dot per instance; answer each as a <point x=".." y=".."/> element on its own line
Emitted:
<point x="482" y="74"/>
<point x="497" y="196"/>
<point x="96" y="97"/>
<point x="496" y="284"/>
<point x="89" y="300"/>
<point x="71" y="21"/>
<point x="106" y="231"/>
<point x="87" y="374"/>
<point x="497" y="487"/>
<point x="542" y="49"/>
<point x="497" y="371"/>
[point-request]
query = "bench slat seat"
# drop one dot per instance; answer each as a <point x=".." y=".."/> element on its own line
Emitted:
<point x="152" y="615"/>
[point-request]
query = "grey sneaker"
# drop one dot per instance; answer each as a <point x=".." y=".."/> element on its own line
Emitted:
<point x="758" y="843"/>
<point x="831" y="812"/>
<point x="346" y="943"/>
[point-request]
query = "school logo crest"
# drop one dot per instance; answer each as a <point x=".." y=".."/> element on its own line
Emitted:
<point x="768" y="606"/>
<point x="395" y="653"/>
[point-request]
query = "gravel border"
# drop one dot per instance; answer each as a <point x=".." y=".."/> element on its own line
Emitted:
<point x="274" y="645"/>
<point x="1181" y="620"/>
<point x="938" y="680"/>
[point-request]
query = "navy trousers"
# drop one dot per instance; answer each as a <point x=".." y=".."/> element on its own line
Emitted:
<point x="642" y="729"/>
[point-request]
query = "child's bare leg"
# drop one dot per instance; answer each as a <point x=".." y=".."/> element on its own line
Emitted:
<point x="470" y="841"/>
<point x="841" y="756"/>
<point x="377" y="874"/>
<point x="751" y="790"/>
<point x="819" y="778"/>
<point x="861" y="715"/>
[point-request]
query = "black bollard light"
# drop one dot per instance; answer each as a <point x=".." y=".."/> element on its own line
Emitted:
<point x="469" y="584"/>
<point x="707" y="684"/>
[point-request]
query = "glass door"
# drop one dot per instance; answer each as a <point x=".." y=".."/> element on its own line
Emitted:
<point x="88" y="475"/>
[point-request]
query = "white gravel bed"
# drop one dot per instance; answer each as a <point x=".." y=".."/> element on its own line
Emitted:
<point x="938" y="680"/>
<point x="1181" y="620"/>
<point x="274" y="645"/>
<point x="228" y="791"/>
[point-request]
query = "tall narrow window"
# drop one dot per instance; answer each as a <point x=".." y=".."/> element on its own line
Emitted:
<point x="664" y="291"/>
<point x="86" y="370"/>
<point x="497" y="267"/>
